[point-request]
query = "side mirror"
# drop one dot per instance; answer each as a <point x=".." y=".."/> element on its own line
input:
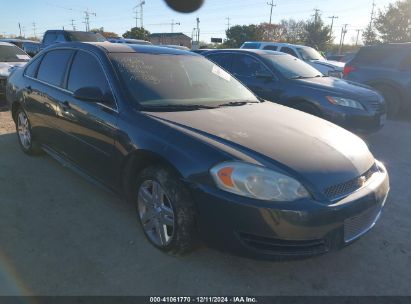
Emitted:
<point x="264" y="75"/>
<point x="92" y="94"/>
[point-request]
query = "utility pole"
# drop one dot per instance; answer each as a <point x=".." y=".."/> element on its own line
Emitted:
<point x="332" y="22"/>
<point x="358" y="36"/>
<point x="372" y="14"/>
<point x="172" y="25"/>
<point x="228" y="22"/>
<point x="20" y="29"/>
<point x="198" y="31"/>
<point x="87" y="14"/>
<point x="272" y="5"/>
<point x="34" y="29"/>
<point x="316" y="14"/>
<point x="140" y="11"/>
<point x="72" y="24"/>
<point x="343" y="32"/>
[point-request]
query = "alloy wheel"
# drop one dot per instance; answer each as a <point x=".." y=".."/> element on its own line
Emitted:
<point x="156" y="213"/>
<point x="23" y="128"/>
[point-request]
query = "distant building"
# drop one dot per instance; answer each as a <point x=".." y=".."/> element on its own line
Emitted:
<point x="170" y="38"/>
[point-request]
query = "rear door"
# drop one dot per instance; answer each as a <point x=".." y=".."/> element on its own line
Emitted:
<point x="44" y="90"/>
<point x="89" y="126"/>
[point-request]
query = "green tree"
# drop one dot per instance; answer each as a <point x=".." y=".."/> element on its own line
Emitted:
<point x="239" y="34"/>
<point x="317" y="35"/>
<point x="137" y="33"/>
<point x="104" y="33"/>
<point x="394" y="24"/>
<point x="369" y="36"/>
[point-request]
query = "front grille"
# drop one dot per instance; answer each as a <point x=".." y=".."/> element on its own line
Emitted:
<point x="284" y="247"/>
<point x="377" y="107"/>
<point x="350" y="186"/>
<point x="360" y="224"/>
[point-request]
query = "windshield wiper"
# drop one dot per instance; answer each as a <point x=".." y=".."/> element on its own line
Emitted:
<point x="177" y="107"/>
<point x="236" y="103"/>
<point x="299" y="77"/>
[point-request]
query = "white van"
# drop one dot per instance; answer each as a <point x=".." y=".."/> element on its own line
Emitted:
<point x="305" y="53"/>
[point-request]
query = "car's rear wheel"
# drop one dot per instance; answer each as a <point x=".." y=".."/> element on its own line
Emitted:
<point x="25" y="136"/>
<point x="165" y="210"/>
<point x="392" y="99"/>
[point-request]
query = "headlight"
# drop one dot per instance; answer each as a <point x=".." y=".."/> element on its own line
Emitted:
<point x="345" y="102"/>
<point x="334" y="73"/>
<point x="257" y="182"/>
<point x="4" y="72"/>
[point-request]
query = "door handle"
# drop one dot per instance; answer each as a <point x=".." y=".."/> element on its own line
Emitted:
<point x="65" y="105"/>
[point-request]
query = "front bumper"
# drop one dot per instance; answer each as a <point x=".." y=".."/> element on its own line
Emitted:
<point x="357" y="121"/>
<point x="303" y="228"/>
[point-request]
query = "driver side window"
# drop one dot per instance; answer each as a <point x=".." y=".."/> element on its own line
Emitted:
<point x="247" y="66"/>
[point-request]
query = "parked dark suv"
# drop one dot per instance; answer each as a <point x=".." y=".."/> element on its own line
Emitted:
<point x="387" y="68"/>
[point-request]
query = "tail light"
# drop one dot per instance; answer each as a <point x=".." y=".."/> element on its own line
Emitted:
<point x="348" y="69"/>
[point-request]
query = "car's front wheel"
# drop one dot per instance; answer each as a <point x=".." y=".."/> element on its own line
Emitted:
<point x="165" y="210"/>
<point x="25" y="136"/>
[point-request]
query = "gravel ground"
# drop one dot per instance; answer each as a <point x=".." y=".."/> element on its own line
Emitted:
<point x="60" y="235"/>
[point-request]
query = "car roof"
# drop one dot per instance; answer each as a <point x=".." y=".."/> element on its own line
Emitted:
<point x="109" y="47"/>
<point x="245" y="51"/>
<point x="276" y="43"/>
<point x="389" y="45"/>
<point x="2" y="43"/>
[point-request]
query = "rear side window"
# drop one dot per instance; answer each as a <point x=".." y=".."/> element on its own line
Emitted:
<point x="31" y="70"/>
<point x="86" y="71"/>
<point x="50" y="38"/>
<point x="288" y="50"/>
<point x="223" y="60"/>
<point x="251" y="45"/>
<point x="53" y="67"/>
<point x="270" y="47"/>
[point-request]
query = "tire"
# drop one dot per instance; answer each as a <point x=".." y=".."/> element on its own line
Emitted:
<point x="25" y="137"/>
<point x="307" y="108"/>
<point x="392" y="99"/>
<point x="165" y="210"/>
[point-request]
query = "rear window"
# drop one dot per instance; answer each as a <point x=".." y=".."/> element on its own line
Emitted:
<point x="271" y="47"/>
<point x="251" y="45"/>
<point x="11" y="53"/>
<point x="86" y="37"/>
<point x="381" y="56"/>
<point x="53" y="67"/>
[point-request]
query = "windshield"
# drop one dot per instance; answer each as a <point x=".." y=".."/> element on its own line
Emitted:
<point x="183" y="80"/>
<point x="291" y="67"/>
<point x="12" y="54"/>
<point x="86" y="37"/>
<point x="308" y="53"/>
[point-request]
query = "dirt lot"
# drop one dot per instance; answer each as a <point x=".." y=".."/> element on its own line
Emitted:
<point x="60" y="235"/>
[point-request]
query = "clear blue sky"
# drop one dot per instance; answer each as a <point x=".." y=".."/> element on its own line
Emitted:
<point x="117" y="16"/>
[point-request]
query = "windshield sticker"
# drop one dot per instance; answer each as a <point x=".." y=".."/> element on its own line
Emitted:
<point x="221" y="73"/>
<point x="23" y="57"/>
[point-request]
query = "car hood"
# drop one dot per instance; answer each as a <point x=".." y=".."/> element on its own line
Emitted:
<point x="339" y="66"/>
<point x="315" y="150"/>
<point x="339" y="86"/>
<point x="7" y="67"/>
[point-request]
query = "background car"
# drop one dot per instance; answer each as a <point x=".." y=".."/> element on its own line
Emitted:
<point x="196" y="152"/>
<point x="29" y="46"/>
<point x="284" y="79"/>
<point x="59" y="36"/>
<point x="304" y="53"/>
<point x="11" y="57"/>
<point x="128" y="41"/>
<point x="386" y="68"/>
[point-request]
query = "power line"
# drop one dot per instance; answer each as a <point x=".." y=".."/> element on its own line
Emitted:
<point x="272" y="5"/>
